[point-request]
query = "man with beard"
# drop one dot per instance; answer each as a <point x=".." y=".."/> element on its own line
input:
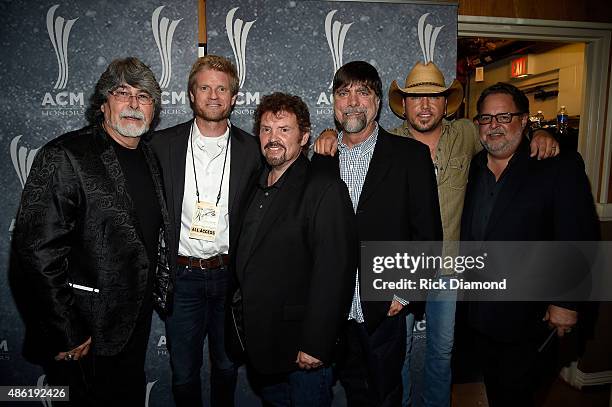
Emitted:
<point x="424" y="103"/>
<point x="511" y="197"/>
<point x="295" y="287"/>
<point x="392" y="186"/>
<point x="85" y="244"/>
<point x="207" y="163"/>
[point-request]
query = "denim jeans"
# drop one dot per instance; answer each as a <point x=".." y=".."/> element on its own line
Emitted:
<point x="436" y="376"/>
<point x="198" y="312"/>
<point x="302" y="388"/>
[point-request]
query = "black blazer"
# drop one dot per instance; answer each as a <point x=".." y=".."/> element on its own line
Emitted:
<point x="77" y="224"/>
<point x="541" y="200"/>
<point x="298" y="279"/>
<point x="170" y="146"/>
<point x="399" y="201"/>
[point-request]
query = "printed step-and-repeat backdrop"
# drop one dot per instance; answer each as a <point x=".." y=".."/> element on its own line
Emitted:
<point x="54" y="52"/>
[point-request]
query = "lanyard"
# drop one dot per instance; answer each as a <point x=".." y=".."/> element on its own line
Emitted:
<point x="195" y="175"/>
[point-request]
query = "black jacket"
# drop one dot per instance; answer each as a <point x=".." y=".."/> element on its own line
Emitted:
<point x="399" y="201"/>
<point x="77" y="224"/>
<point x="297" y="281"/>
<point x="547" y="200"/>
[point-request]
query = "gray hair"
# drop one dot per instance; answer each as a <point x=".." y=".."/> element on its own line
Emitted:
<point x="130" y="71"/>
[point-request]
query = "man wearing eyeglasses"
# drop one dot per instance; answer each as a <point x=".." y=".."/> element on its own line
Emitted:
<point x="426" y="104"/>
<point x="85" y="254"/>
<point x="512" y="197"/>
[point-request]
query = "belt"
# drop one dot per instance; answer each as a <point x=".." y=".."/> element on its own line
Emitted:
<point x="213" y="262"/>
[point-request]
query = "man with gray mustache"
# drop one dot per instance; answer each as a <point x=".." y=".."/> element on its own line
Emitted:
<point x="86" y="270"/>
<point x="513" y="197"/>
<point x="392" y="187"/>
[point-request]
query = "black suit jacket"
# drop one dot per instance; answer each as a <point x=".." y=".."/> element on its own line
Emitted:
<point x="297" y="281"/>
<point x="547" y="200"/>
<point x="399" y="201"/>
<point x="77" y="224"/>
<point x="170" y="146"/>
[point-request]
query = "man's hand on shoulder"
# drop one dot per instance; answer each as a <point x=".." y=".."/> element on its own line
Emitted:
<point x="544" y="145"/>
<point x="327" y="142"/>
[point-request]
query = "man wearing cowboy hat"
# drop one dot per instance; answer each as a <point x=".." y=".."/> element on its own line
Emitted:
<point x="424" y="103"/>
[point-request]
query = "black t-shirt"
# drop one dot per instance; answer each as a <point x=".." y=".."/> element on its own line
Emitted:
<point x="141" y="190"/>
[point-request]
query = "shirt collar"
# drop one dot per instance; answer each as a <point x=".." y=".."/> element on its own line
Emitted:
<point x="263" y="178"/>
<point x="204" y="142"/>
<point x="364" y="147"/>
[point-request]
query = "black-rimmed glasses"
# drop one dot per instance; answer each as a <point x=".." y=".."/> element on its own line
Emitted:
<point x="501" y="118"/>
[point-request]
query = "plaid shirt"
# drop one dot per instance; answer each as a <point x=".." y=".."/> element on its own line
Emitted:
<point x="354" y="164"/>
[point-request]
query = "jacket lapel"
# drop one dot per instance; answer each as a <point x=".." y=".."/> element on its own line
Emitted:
<point x="237" y="158"/>
<point x="178" y="155"/>
<point x="117" y="179"/>
<point x="380" y="164"/>
<point x="159" y="190"/>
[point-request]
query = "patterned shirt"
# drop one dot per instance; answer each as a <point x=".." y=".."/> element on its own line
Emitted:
<point x="354" y="164"/>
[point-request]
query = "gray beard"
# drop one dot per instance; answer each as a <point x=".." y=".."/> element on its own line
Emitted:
<point x="131" y="130"/>
<point x="354" y="125"/>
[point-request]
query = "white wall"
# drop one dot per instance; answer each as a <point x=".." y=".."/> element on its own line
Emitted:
<point x="559" y="69"/>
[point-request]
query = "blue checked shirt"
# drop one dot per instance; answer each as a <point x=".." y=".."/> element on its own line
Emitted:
<point x="354" y="165"/>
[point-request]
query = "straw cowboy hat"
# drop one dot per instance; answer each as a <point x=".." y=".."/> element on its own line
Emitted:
<point x="425" y="79"/>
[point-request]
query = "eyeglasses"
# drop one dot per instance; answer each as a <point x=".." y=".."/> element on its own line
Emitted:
<point x="125" y="96"/>
<point x="501" y="118"/>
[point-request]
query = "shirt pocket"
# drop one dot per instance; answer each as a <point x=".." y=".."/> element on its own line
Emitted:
<point x="458" y="168"/>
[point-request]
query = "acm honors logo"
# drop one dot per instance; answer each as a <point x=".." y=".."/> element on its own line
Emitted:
<point x="162" y="349"/>
<point x="237" y="34"/>
<point x="173" y="101"/>
<point x="335" y="32"/>
<point x="61" y="102"/>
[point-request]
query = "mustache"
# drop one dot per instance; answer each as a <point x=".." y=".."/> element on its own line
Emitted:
<point x="131" y="114"/>
<point x="273" y="144"/>
<point x="496" y="133"/>
<point x="350" y="110"/>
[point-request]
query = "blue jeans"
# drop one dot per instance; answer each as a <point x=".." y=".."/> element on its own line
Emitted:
<point x="198" y="312"/>
<point x="302" y="388"/>
<point x="436" y="378"/>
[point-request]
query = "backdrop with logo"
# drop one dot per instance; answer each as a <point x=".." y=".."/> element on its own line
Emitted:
<point x="55" y="52"/>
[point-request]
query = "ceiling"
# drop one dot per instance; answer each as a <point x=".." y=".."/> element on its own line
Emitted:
<point x="481" y="51"/>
